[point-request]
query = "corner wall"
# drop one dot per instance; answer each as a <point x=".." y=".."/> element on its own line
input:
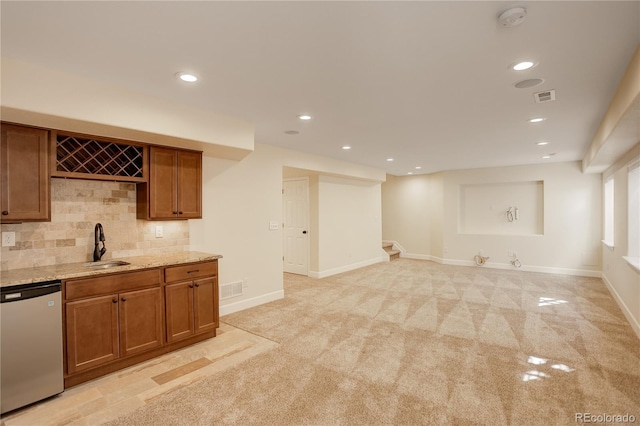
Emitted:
<point x="570" y="243"/>
<point x="622" y="280"/>
<point x="241" y="198"/>
<point x="349" y="225"/>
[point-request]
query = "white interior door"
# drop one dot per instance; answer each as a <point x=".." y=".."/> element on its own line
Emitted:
<point x="295" y="211"/>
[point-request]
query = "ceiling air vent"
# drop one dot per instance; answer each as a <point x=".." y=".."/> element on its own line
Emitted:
<point x="546" y="96"/>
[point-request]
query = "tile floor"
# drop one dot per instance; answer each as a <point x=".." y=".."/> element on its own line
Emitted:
<point x="118" y="393"/>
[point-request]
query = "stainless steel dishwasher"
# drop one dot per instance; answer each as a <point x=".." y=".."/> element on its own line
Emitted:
<point x="31" y="343"/>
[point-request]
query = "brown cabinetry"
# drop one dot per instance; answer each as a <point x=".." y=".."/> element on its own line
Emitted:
<point x="91" y="332"/>
<point x="191" y="308"/>
<point x="116" y="320"/>
<point x="174" y="190"/>
<point x="192" y="304"/>
<point x="25" y="174"/>
<point x="112" y="318"/>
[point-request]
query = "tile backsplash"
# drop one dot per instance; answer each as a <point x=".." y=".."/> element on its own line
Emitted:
<point x="76" y="206"/>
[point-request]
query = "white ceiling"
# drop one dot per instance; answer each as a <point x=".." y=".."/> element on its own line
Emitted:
<point x="426" y="83"/>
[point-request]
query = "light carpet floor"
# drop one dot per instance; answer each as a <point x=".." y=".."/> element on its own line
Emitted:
<point x="415" y="342"/>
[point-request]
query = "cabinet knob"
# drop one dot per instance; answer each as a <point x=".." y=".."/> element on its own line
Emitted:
<point x="174" y="212"/>
<point x="179" y="212"/>
<point x="123" y="299"/>
<point x="190" y="285"/>
<point x="197" y="285"/>
<point x="115" y="300"/>
<point x="4" y="212"/>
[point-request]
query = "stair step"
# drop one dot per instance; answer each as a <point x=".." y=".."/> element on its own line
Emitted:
<point x="393" y="254"/>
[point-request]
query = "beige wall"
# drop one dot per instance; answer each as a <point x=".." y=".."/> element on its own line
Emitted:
<point x="349" y="225"/>
<point x="572" y="219"/>
<point x="436" y="214"/>
<point x="241" y="198"/>
<point x="618" y="130"/>
<point x="623" y="281"/>
<point x="406" y="212"/>
<point x="39" y="96"/>
<point x="76" y="206"/>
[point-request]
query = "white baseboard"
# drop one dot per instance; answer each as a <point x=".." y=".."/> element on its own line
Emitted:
<point x="421" y="257"/>
<point x="528" y="268"/>
<point x="250" y="303"/>
<point x="347" y="268"/>
<point x="635" y="324"/>
<point x="507" y="266"/>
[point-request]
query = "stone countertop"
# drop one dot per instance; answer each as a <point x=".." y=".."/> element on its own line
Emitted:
<point x="64" y="271"/>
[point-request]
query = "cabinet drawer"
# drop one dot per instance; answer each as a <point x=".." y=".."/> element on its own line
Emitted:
<point x="191" y="272"/>
<point x="88" y="287"/>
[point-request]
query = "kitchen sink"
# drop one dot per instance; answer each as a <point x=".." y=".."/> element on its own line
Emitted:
<point x="106" y="264"/>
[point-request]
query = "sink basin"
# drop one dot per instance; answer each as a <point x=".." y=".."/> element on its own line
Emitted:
<point x="106" y="264"/>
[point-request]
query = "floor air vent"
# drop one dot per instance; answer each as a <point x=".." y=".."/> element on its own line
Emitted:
<point x="546" y="96"/>
<point x="231" y="290"/>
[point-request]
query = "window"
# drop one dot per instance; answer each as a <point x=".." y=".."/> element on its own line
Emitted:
<point x="608" y="213"/>
<point x="633" y="225"/>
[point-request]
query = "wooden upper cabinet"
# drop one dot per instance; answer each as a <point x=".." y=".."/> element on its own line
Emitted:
<point x="189" y="185"/>
<point x="174" y="190"/>
<point x="163" y="183"/>
<point x="25" y="174"/>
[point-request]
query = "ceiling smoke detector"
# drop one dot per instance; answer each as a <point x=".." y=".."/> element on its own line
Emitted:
<point x="512" y="17"/>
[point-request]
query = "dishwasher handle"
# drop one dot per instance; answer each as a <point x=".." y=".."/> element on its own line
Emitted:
<point x="29" y="291"/>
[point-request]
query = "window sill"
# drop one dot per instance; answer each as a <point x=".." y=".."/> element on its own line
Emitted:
<point x="634" y="262"/>
<point x="609" y="245"/>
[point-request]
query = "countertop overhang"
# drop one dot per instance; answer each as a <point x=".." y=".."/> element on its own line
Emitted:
<point x="65" y="271"/>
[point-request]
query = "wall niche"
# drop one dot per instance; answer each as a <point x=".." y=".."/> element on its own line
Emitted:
<point x="512" y="208"/>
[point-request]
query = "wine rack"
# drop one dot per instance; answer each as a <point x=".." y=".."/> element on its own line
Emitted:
<point x="88" y="158"/>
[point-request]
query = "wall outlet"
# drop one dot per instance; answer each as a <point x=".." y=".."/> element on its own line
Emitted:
<point x="273" y="226"/>
<point x="510" y="253"/>
<point x="8" y="239"/>
<point x="159" y="231"/>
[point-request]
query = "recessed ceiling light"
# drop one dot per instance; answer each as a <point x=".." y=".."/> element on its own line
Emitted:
<point x="185" y="76"/>
<point x="418" y="167"/>
<point x="389" y="159"/>
<point x="292" y="132"/>
<point x="521" y="66"/>
<point x="542" y="143"/>
<point x="346" y="147"/>
<point x="546" y="157"/>
<point x="410" y="173"/>
<point x="304" y="117"/>
<point x="536" y="120"/>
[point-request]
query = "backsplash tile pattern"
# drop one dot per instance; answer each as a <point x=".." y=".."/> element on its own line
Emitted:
<point x="76" y="206"/>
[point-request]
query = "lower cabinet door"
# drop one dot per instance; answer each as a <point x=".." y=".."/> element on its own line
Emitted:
<point x="92" y="332"/>
<point x="205" y="306"/>
<point x="179" y="302"/>
<point x="141" y="317"/>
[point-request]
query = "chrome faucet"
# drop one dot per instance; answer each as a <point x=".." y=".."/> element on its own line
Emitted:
<point x="99" y="237"/>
